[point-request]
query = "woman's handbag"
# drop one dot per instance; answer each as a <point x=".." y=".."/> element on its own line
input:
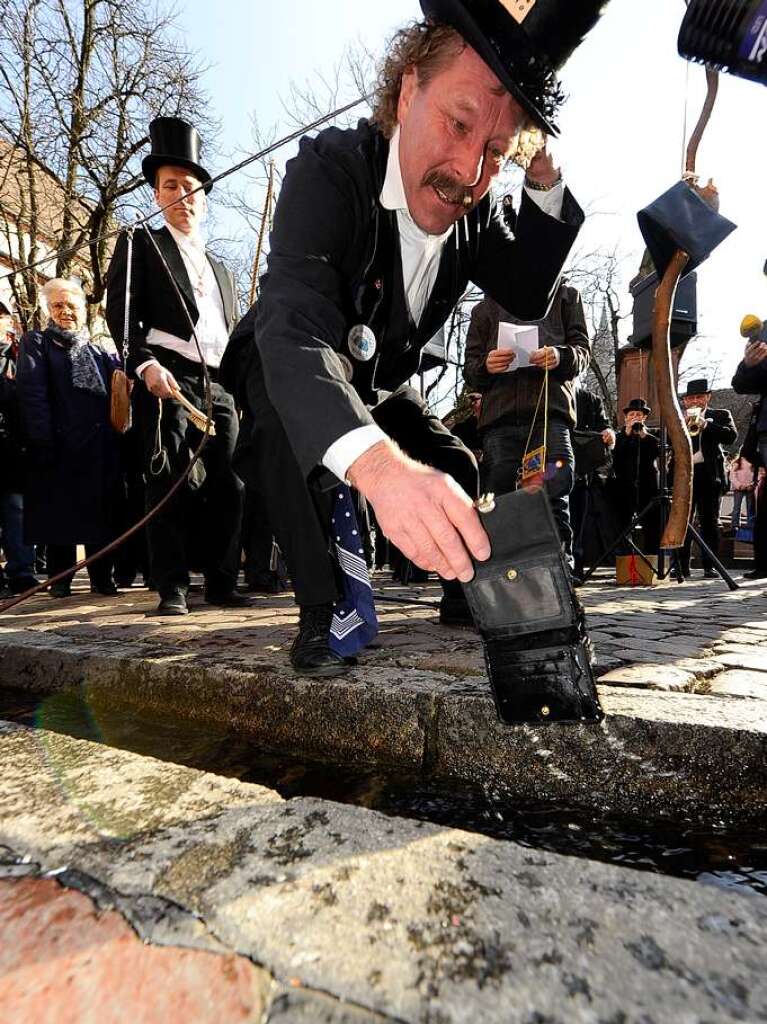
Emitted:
<point x="121" y="386"/>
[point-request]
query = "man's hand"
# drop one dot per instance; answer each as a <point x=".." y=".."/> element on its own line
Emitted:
<point x="546" y="358"/>
<point x="755" y="353"/>
<point x="608" y="436"/>
<point x="424" y="512"/>
<point x="542" y="169"/>
<point x="499" y="360"/>
<point x="159" y="381"/>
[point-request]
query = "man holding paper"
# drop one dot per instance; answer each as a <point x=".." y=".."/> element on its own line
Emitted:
<point x="505" y="362"/>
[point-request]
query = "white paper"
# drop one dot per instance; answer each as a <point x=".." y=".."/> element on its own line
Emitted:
<point x="519" y="339"/>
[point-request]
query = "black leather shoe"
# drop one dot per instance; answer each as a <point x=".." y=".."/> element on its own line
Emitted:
<point x="310" y="653"/>
<point x="755" y="574"/>
<point x="229" y="599"/>
<point x="105" y="589"/>
<point x="710" y="574"/>
<point x="264" y="583"/>
<point x="172" y="603"/>
<point x="60" y="590"/>
<point x="455" y="612"/>
<point x="20" y="584"/>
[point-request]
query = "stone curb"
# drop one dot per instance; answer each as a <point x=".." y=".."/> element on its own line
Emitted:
<point x="659" y="753"/>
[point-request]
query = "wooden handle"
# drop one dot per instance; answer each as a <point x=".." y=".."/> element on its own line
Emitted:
<point x="681" y="505"/>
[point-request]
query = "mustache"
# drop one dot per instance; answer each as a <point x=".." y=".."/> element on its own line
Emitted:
<point x="457" y="194"/>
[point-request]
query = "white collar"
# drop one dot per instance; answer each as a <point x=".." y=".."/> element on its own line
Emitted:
<point x="393" y="195"/>
<point x="184" y="241"/>
<point x="393" y="192"/>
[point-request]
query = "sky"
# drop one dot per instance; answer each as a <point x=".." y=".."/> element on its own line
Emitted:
<point x="622" y="129"/>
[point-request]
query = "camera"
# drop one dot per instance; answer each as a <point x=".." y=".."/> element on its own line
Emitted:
<point x="637" y="428"/>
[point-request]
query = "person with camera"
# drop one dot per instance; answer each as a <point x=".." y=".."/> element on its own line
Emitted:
<point x="751" y="379"/>
<point x="635" y="464"/>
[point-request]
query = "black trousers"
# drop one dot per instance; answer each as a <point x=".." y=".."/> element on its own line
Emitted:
<point x="760" y="520"/>
<point x="706" y="498"/>
<point x="503" y="450"/>
<point x="63" y="556"/>
<point x="300" y="513"/>
<point x="221" y="494"/>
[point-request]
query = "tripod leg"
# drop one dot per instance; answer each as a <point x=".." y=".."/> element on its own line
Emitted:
<point x="717" y="564"/>
<point x="637" y="518"/>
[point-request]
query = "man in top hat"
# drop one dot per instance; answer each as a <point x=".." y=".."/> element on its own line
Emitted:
<point x="709" y="430"/>
<point x="376" y="234"/>
<point x="164" y="357"/>
<point x="635" y="464"/>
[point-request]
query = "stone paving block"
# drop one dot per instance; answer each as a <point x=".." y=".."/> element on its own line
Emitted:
<point x="299" y="1007"/>
<point x="744" y="659"/>
<point x="650" y="677"/>
<point x="738" y="683"/>
<point x="63" y="962"/>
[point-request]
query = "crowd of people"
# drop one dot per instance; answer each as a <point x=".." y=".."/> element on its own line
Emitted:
<point x="317" y="437"/>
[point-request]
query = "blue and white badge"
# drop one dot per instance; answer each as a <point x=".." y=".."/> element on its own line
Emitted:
<point x="362" y="343"/>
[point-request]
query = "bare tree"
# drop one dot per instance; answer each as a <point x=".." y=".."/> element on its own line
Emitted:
<point x="79" y="83"/>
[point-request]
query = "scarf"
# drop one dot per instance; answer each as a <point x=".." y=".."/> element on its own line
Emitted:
<point x="86" y="375"/>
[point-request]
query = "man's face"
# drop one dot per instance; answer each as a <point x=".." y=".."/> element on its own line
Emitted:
<point x="67" y="309"/>
<point x="635" y="416"/>
<point x="457" y="131"/>
<point x="696" y="401"/>
<point x="175" y="185"/>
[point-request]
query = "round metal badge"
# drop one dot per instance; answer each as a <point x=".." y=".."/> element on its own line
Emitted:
<point x="362" y="343"/>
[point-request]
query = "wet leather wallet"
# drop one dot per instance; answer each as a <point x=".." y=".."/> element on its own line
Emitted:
<point x="538" y="657"/>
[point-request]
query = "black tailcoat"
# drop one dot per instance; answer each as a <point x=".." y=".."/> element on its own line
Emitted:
<point x="154" y="303"/>
<point x="335" y="264"/>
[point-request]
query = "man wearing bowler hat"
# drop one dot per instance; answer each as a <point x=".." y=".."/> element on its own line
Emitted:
<point x="164" y="357"/>
<point x="635" y="464"/>
<point x="377" y="232"/>
<point x="709" y="430"/>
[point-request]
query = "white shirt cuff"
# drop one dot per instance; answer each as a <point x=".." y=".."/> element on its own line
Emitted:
<point x="140" y="369"/>
<point x="549" y="202"/>
<point x="348" y="448"/>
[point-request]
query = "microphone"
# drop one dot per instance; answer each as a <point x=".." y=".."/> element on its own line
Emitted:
<point x="753" y="328"/>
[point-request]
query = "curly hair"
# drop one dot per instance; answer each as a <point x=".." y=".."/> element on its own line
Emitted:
<point x="421" y="46"/>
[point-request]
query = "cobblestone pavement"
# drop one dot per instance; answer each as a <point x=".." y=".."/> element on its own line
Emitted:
<point x="697" y="637"/>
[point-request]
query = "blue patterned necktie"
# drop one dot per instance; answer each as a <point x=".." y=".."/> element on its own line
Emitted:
<point x="354" y="623"/>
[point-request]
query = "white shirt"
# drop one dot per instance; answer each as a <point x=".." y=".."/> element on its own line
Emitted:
<point x="211" y="326"/>
<point x="421" y="255"/>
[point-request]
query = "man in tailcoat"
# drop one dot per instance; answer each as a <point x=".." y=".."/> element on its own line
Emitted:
<point x="377" y="232"/>
<point x="164" y="358"/>
<point x="716" y="427"/>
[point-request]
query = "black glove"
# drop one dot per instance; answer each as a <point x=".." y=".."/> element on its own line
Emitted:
<point x="532" y="624"/>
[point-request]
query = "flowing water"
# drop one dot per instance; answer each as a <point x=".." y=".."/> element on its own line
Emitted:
<point x="731" y="858"/>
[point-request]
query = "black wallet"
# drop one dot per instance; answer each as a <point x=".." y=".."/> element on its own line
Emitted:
<point x="532" y="624"/>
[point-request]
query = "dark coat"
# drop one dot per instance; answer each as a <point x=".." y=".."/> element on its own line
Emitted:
<point x="635" y="464"/>
<point x="721" y="430"/>
<point x="513" y="397"/>
<point x="73" y="470"/>
<point x="11" y="461"/>
<point x="590" y="411"/>
<point x="335" y="264"/>
<point x="154" y="302"/>
<point x="752" y="380"/>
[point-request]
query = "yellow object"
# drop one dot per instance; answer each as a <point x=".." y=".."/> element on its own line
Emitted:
<point x="633" y="571"/>
<point x="749" y="325"/>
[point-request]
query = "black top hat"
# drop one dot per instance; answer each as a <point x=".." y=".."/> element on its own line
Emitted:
<point x="638" y="405"/>
<point x="175" y="143"/>
<point x="697" y="387"/>
<point x="524" y="42"/>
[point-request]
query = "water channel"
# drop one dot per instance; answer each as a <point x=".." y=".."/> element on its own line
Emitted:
<point x="726" y="857"/>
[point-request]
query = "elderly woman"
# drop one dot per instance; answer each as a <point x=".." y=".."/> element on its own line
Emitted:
<point x="63" y="383"/>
